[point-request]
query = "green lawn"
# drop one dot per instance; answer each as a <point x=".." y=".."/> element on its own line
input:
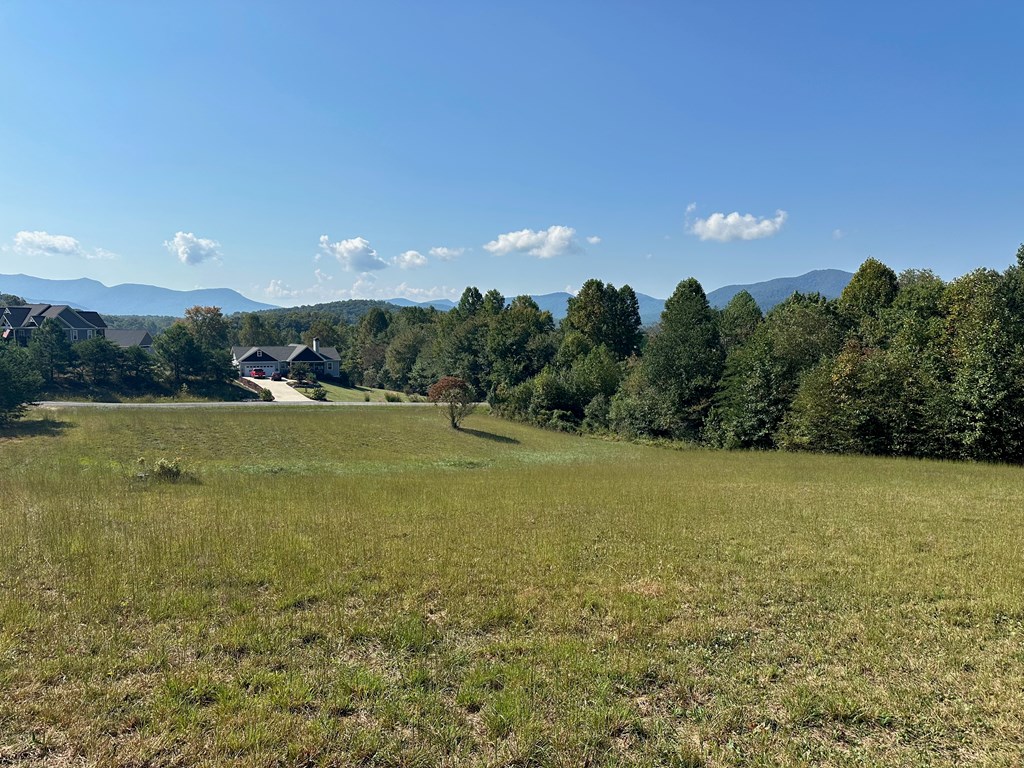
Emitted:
<point x="336" y="394"/>
<point x="369" y="587"/>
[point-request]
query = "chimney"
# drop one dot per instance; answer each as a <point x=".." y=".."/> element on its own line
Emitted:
<point x="316" y="345"/>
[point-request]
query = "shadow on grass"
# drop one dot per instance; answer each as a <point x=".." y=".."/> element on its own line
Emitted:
<point x="490" y="436"/>
<point x="34" y="428"/>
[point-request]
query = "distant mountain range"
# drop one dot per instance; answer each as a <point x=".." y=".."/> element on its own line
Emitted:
<point x="135" y="299"/>
<point x="125" y="299"/>
<point x="828" y="282"/>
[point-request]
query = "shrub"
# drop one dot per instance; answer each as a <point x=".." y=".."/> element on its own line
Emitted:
<point x="318" y="393"/>
<point x="266" y="395"/>
<point x="166" y="471"/>
<point x="392" y="397"/>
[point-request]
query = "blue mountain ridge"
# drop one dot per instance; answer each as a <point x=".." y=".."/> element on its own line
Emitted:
<point x="137" y="299"/>
<point x="125" y="299"/>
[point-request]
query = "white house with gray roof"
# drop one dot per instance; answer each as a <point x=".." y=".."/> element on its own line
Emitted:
<point x="323" y="361"/>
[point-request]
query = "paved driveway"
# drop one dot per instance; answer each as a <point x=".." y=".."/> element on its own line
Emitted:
<point x="281" y="391"/>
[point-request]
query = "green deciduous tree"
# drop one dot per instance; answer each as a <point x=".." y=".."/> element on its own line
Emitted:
<point x="739" y="320"/>
<point x="208" y="327"/>
<point x="255" y="330"/>
<point x="519" y="343"/>
<point x="986" y="368"/>
<point x="872" y="288"/>
<point x="684" y="357"/>
<point x="605" y="315"/>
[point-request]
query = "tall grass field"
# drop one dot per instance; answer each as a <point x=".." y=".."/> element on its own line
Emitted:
<point x="328" y="586"/>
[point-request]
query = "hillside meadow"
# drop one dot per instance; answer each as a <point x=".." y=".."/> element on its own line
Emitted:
<point x="356" y="586"/>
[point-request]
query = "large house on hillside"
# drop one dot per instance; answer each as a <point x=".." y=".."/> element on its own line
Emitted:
<point x="18" y="323"/>
<point x="324" y="361"/>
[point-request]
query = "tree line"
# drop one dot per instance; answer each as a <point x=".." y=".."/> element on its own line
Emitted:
<point x="902" y="365"/>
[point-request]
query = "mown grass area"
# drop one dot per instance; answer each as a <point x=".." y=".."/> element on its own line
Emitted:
<point x="370" y="587"/>
<point x="337" y="394"/>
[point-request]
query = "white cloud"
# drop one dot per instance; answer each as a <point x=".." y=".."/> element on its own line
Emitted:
<point x="365" y="286"/>
<point x="593" y="239"/>
<point x="446" y="254"/>
<point x="45" y="244"/>
<point x="278" y="289"/>
<point x="355" y="255"/>
<point x="725" y="227"/>
<point x="411" y="260"/>
<point x="406" y="291"/>
<point x="838" y="234"/>
<point x="544" y="244"/>
<point x="193" y="250"/>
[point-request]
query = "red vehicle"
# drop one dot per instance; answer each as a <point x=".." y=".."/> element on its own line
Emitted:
<point x="258" y="373"/>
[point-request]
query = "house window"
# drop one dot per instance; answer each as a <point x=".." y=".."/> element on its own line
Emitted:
<point x="259" y="353"/>
<point x="74" y="335"/>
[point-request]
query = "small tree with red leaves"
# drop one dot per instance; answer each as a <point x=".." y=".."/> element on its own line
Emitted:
<point x="455" y="395"/>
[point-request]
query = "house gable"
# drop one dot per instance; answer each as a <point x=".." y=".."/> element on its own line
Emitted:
<point x="304" y="354"/>
<point x="256" y="355"/>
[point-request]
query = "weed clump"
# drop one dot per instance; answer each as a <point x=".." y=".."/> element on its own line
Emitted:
<point x="165" y="471"/>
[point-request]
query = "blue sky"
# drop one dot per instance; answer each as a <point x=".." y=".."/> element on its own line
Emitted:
<point x="303" y="152"/>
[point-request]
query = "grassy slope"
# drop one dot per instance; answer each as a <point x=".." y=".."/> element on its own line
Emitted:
<point x="336" y="394"/>
<point x="367" y="586"/>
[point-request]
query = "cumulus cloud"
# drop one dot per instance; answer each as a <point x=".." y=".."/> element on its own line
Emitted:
<point x="411" y="260"/>
<point x="446" y="254"/>
<point x="354" y="255"/>
<point x="544" y="244"/>
<point x="404" y="290"/>
<point x="733" y="226"/>
<point x="593" y="239"/>
<point x="45" y="244"/>
<point x="193" y="250"/>
<point x="278" y="289"/>
<point x="366" y="285"/>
